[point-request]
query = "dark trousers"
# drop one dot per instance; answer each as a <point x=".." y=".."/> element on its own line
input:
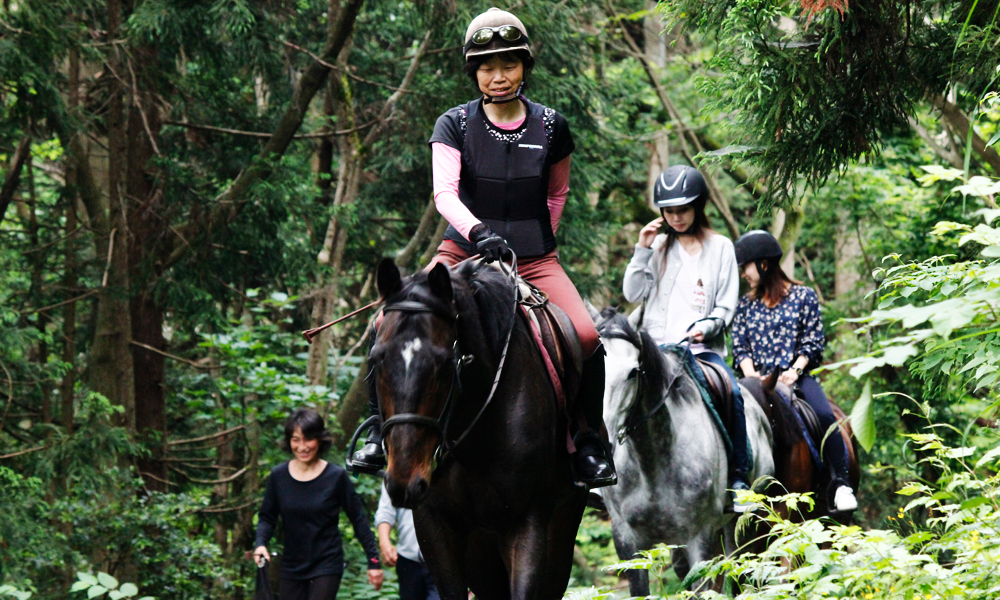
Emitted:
<point x="319" y="588"/>
<point x="834" y="449"/>
<point x="738" y="427"/>
<point x="415" y="581"/>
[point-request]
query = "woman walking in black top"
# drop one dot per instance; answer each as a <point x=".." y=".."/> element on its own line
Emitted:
<point x="308" y="493"/>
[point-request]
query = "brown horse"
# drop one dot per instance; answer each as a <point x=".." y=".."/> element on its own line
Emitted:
<point x="794" y="466"/>
<point x="475" y="441"/>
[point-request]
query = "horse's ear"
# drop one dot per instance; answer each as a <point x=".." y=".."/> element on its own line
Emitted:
<point x="387" y="278"/>
<point x="440" y="281"/>
<point x="772" y="381"/>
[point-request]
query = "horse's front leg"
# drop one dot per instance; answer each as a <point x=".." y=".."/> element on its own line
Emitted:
<point x="627" y="547"/>
<point x="443" y="545"/>
<point x="525" y="550"/>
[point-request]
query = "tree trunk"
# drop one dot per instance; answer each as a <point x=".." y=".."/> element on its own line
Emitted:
<point x="13" y="176"/>
<point x="432" y="244"/>
<point x="336" y="238"/>
<point x="849" y="262"/>
<point x="424" y="230"/>
<point x="66" y="409"/>
<point x="110" y="366"/>
<point x="959" y="123"/>
<point x="352" y="407"/>
<point x="149" y="236"/>
<point x="788" y="234"/>
<point x="689" y="142"/>
<point x="352" y="156"/>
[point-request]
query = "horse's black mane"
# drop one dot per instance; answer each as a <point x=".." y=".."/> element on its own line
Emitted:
<point x="654" y="369"/>
<point x="484" y="292"/>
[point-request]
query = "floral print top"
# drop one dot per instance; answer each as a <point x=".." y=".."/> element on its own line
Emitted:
<point x="774" y="337"/>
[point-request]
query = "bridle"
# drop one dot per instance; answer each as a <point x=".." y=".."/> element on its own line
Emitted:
<point x="632" y="419"/>
<point x="440" y="424"/>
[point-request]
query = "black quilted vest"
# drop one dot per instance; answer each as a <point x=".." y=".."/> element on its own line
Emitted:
<point x="505" y="181"/>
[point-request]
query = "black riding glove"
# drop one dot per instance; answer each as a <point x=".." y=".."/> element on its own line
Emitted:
<point x="491" y="246"/>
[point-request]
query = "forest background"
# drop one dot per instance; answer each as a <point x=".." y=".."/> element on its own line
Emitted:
<point x="188" y="185"/>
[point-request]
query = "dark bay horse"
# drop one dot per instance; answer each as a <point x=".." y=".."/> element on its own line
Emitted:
<point x="475" y="441"/>
<point x="794" y="467"/>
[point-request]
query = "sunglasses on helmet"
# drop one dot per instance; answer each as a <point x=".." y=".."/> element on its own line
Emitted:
<point x="483" y="35"/>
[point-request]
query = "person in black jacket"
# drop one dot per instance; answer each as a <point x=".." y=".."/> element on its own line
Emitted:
<point x="308" y="493"/>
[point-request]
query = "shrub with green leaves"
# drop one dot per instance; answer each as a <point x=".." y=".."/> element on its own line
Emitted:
<point x="943" y="544"/>
<point x="103" y="583"/>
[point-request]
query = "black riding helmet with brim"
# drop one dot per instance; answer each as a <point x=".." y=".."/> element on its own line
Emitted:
<point x="680" y="185"/>
<point x="756" y="246"/>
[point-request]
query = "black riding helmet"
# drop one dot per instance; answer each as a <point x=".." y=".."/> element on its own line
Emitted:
<point x="755" y="246"/>
<point x="679" y="185"/>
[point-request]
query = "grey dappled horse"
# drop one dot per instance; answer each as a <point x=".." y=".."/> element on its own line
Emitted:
<point x="672" y="468"/>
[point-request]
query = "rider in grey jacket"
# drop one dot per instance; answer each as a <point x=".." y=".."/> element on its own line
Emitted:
<point x="690" y="282"/>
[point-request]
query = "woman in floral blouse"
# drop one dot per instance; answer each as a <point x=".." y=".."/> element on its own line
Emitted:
<point x="778" y="326"/>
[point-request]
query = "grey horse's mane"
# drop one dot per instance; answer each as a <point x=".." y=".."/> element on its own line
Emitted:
<point x="655" y="370"/>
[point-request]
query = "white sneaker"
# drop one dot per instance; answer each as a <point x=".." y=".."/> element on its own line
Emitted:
<point x="738" y="506"/>
<point x="844" y="500"/>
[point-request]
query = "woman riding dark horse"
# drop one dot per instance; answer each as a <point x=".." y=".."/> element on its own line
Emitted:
<point x="501" y="175"/>
<point x="476" y="439"/>
<point x="778" y="327"/>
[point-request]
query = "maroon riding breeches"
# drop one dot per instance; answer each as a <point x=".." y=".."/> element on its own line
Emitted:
<point x="545" y="273"/>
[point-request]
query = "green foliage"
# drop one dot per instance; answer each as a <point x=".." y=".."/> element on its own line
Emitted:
<point x="944" y="309"/>
<point x="942" y="544"/>
<point x="105" y="584"/>
<point x="809" y="96"/>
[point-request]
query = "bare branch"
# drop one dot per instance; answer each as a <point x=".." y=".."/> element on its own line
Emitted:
<point x="168" y="355"/>
<point x="345" y="71"/>
<point x="22" y="452"/>
<point x="262" y="135"/>
<point x="205" y="437"/>
<point x="232" y="477"/>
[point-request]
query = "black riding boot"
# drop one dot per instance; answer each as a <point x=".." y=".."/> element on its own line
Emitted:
<point x="592" y="461"/>
<point x="370" y="458"/>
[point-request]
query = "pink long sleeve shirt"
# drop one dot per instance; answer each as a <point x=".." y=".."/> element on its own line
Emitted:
<point x="447" y="167"/>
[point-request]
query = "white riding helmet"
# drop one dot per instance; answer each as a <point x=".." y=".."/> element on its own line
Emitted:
<point x="495" y="31"/>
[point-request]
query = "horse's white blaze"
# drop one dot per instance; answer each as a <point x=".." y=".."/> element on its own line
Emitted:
<point x="409" y="349"/>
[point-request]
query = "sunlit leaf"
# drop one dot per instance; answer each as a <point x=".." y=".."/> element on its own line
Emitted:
<point x="863" y="418"/>
<point x="107" y="581"/>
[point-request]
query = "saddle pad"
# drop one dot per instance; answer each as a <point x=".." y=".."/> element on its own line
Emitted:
<point x="691" y="367"/>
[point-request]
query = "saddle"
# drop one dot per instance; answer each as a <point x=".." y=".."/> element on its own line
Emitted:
<point x="720" y="389"/>
<point x="557" y="341"/>
<point x="807" y="420"/>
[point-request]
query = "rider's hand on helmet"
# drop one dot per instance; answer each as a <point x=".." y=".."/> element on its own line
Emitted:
<point x="260" y="556"/>
<point x="788" y="377"/>
<point x="648" y="233"/>
<point x="491" y="246"/>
